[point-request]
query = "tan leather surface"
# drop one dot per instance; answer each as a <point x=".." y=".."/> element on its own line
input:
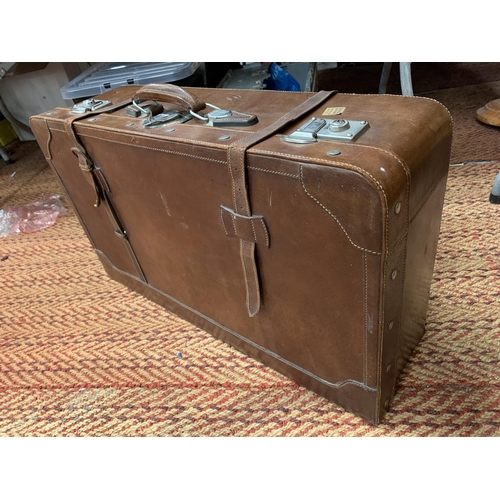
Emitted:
<point x="350" y="239"/>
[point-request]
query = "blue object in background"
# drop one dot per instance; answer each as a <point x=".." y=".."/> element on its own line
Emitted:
<point x="280" y="79"/>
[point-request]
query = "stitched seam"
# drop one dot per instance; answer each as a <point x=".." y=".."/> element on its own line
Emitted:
<point x="400" y="315"/>
<point x="335" y="218"/>
<point x="333" y="164"/>
<point x="365" y="321"/>
<point x="244" y="194"/>
<point x="237" y="335"/>
<point x="403" y="238"/>
<point x="256" y="278"/>
<point x="232" y="180"/>
<point x="233" y="220"/>
<point x="393" y="249"/>
<point x="428" y="196"/>
<point x="245" y="280"/>
<point x="265" y="232"/>
<point x="222" y="221"/>
<point x="174" y="138"/>
<point x="295" y="176"/>
<point x="253" y="230"/>
<point x="405" y="97"/>
<point x="154" y="149"/>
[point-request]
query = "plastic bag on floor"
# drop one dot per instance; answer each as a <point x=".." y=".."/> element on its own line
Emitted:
<point x="281" y="79"/>
<point x="31" y="217"/>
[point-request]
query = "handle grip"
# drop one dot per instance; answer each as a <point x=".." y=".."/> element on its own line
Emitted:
<point x="165" y="92"/>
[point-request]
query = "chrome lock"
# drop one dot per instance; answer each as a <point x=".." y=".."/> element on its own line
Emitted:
<point x="323" y="129"/>
<point x="88" y="105"/>
<point x="338" y="125"/>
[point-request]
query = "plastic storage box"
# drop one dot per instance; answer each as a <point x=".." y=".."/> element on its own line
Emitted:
<point x="101" y="77"/>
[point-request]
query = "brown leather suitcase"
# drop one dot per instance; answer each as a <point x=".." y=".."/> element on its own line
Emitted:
<point x="299" y="227"/>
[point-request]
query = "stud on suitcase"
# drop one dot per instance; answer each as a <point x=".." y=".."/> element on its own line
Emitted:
<point x="299" y="227"/>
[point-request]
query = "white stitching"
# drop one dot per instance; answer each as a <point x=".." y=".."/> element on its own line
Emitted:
<point x="233" y="220"/>
<point x="178" y="139"/>
<point x="365" y="320"/>
<point x="265" y="232"/>
<point x="222" y="221"/>
<point x="232" y="179"/>
<point x="294" y="176"/>
<point x="245" y="280"/>
<point x="335" y="218"/>
<point x="155" y="149"/>
<point x="253" y="230"/>
<point x="333" y="164"/>
<point x="405" y="97"/>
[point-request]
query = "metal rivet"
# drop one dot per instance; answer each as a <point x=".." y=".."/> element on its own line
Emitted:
<point x="333" y="152"/>
<point x="349" y="135"/>
<point x="397" y="208"/>
<point x="170" y="129"/>
<point x="130" y="124"/>
<point x="386" y="403"/>
<point x="224" y="137"/>
<point x="394" y="274"/>
<point x="389" y="366"/>
<point x="391" y="325"/>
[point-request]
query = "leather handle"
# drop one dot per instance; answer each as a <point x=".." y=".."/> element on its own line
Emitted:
<point x="165" y="92"/>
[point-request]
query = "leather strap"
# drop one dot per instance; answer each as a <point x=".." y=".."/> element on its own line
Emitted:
<point x="246" y="228"/>
<point x="96" y="179"/>
<point x="237" y="169"/>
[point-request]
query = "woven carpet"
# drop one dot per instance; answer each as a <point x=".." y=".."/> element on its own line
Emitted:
<point x="80" y="355"/>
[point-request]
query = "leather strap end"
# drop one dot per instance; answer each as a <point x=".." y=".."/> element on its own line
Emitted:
<point x="249" y="228"/>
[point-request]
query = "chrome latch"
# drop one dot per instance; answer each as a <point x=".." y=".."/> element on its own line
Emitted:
<point x="167" y="117"/>
<point x="88" y="106"/>
<point x="213" y="116"/>
<point x="320" y="128"/>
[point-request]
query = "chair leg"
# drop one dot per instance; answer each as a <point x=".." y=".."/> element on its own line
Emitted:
<point x="495" y="190"/>
<point x="5" y="157"/>
<point x="384" y="78"/>
<point x="405" y="73"/>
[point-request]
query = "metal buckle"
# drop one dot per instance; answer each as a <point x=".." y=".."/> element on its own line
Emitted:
<point x="88" y="106"/>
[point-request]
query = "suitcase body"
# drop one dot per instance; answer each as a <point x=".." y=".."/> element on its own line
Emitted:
<point x="312" y="255"/>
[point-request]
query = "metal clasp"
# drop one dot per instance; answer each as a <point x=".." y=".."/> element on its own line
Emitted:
<point x="325" y="129"/>
<point x="88" y="106"/>
<point x="213" y="116"/>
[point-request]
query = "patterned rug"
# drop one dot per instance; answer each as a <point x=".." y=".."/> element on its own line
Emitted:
<point x="80" y="355"/>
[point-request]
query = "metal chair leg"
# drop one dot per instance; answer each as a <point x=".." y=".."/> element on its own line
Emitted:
<point x="495" y="191"/>
<point x="405" y="73"/>
<point x="384" y="78"/>
<point x="5" y="157"/>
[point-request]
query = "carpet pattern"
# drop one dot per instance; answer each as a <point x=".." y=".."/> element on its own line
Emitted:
<point x="80" y="355"/>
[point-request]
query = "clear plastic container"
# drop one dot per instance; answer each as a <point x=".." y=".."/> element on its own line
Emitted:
<point x="101" y="77"/>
